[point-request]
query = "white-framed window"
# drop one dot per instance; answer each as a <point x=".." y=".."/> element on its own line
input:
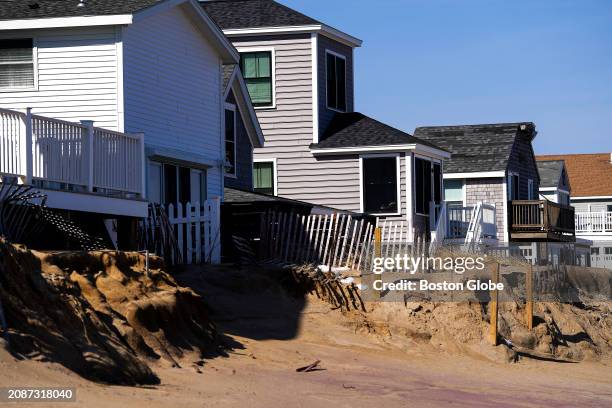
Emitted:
<point x="427" y="183"/>
<point x="380" y="184"/>
<point x="335" y="74"/>
<point x="265" y="179"/>
<point x="513" y="186"/>
<point x="530" y="192"/>
<point x="17" y="64"/>
<point x="230" y="139"/>
<point x="454" y="192"/>
<point x="258" y="67"/>
<point x="169" y="183"/>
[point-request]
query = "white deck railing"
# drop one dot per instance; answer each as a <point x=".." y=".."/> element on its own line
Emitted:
<point x="41" y="148"/>
<point x="594" y="222"/>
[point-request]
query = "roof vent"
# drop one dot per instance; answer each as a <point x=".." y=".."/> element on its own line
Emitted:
<point x="81" y="3"/>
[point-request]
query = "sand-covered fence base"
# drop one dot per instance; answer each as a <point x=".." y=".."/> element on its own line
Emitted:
<point x="99" y="313"/>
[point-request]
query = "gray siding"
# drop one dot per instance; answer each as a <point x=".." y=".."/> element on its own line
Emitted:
<point x="244" y="154"/>
<point x="522" y="161"/>
<point x="595" y="205"/>
<point x="325" y="114"/>
<point x="489" y="191"/>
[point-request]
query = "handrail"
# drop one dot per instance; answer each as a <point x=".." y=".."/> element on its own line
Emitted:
<point x="541" y="216"/>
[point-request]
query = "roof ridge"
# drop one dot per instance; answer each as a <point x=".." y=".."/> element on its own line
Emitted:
<point x="478" y="125"/>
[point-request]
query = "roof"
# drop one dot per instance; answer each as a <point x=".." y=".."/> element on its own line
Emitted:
<point x="476" y="148"/>
<point x="237" y="196"/>
<point x="355" y="129"/>
<point x="25" y="9"/>
<point x="262" y="17"/>
<point x="228" y="71"/>
<point x="254" y="13"/>
<point x="590" y="174"/>
<point x="550" y="172"/>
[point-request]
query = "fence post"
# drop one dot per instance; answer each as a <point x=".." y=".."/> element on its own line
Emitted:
<point x="493" y="307"/>
<point x="90" y="152"/>
<point x="143" y="164"/>
<point x="27" y="155"/>
<point x="529" y="297"/>
<point x="378" y="242"/>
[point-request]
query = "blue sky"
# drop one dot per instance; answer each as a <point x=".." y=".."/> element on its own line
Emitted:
<point x="438" y="62"/>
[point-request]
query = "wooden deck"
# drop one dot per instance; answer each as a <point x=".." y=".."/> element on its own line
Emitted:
<point x="539" y="220"/>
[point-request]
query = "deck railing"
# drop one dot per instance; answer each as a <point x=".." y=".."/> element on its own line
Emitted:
<point x="35" y="147"/>
<point x="541" y="216"/>
<point x="594" y="222"/>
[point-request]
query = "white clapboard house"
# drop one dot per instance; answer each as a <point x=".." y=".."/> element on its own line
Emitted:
<point x="107" y="105"/>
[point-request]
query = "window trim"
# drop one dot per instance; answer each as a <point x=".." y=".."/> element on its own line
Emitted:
<point x="230" y="107"/>
<point x="432" y="160"/>
<point x="273" y="69"/>
<point x="398" y="183"/>
<point x="530" y="192"/>
<point x="327" y="51"/>
<point x="274" y="170"/>
<point x="34" y="39"/>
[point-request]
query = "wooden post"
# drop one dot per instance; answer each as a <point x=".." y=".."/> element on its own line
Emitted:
<point x="493" y="308"/>
<point x="529" y="298"/>
<point x="89" y="137"/>
<point x="27" y="152"/>
<point x="378" y="242"/>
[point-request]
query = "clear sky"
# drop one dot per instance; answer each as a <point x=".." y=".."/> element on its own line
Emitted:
<point x="440" y="62"/>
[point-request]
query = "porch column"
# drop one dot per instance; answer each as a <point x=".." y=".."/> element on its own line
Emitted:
<point x="409" y="191"/>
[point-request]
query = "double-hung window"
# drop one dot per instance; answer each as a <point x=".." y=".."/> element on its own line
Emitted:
<point x="17" y="63"/>
<point x="336" y="81"/>
<point x="257" y="72"/>
<point x="380" y="185"/>
<point x="264" y="180"/>
<point x="230" y="140"/>
<point x="428" y="184"/>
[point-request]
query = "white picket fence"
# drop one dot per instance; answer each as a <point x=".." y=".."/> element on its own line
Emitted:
<point x="197" y="230"/>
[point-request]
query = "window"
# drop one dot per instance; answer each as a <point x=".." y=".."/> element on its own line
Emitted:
<point x="172" y="184"/>
<point x="608" y="250"/>
<point x="264" y="180"/>
<point x="428" y="184"/>
<point x="257" y="72"/>
<point x="380" y="192"/>
<point x="453" y="192"/>
<point x="336" y="81"/>
<point x="230" y="141"/>
<point x="594" y="251"/>
<point x="610" y="208"/>
<point x="16" y="63"/>
<point x="513" y="186"/>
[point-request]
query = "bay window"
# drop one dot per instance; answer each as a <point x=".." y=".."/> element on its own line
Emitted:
<point x="380" y="178"/>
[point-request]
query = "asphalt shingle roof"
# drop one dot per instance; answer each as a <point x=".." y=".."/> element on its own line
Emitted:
<point x="254" y="13"/>
<point x="24" y="9"/>
<point x="474" y="148"/>
<point x="228" y="70"/>
<point x="355" y="129"/>
<point x="550" y="172"/>
<point x="589" y="174"/>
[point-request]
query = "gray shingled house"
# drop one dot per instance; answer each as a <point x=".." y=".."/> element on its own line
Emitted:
<point x="495" y="164"/>
<point x="299" y="73"/>
<point x="554" y="181"/>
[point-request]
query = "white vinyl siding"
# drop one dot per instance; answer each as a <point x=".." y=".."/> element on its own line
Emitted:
<point x="76" y="73"/>
<point x="172" y="82"/>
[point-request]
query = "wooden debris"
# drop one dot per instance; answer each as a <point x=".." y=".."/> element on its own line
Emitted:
<point x="309" y="367"/>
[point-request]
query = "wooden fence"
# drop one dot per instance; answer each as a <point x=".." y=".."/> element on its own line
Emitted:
<point x="196" y="228"/>
<point x="335" y="240"/>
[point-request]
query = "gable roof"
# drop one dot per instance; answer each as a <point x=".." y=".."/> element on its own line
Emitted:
<point x="23" y="9"/>
<point x="35" y="14"/>
<point x="590" y="175"/>
<point x="262" y="17"/>
<point x="233" y="81"/>
<point x="354" y="129"/>
<point x="550" y="172"/>
<point x="476" y="148"/>
<point x="254" y="13"/>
